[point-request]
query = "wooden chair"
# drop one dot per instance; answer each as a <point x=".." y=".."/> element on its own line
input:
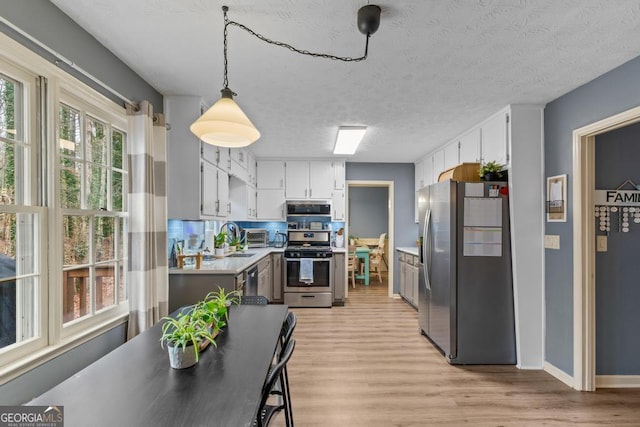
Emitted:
<point x="375" y="263"/>
<point x="353" y="264"/>
<point x="380" y="248"/>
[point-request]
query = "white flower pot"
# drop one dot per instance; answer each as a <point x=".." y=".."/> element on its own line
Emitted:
<point x="179" y="358"/>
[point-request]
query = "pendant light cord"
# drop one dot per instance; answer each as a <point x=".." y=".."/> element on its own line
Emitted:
<point x="228" y="22"/>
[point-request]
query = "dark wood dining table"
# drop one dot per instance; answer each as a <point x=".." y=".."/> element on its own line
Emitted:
<point x="135" y="386"/>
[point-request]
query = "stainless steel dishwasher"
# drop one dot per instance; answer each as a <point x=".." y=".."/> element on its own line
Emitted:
<point x="251" y="281"/>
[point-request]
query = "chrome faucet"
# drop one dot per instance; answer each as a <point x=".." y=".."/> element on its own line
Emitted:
<point x="230" y="225"/>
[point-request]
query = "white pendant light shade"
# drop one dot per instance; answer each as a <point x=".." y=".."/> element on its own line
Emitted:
<point x="225" y="125"/>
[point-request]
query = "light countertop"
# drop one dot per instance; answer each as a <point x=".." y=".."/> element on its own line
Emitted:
<point x="228" y="264"/>
<point x="411" y="250"/>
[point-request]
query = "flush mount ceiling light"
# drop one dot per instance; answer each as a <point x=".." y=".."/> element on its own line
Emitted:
<point x="348" y="139"/>
<point x="225" y="124"/>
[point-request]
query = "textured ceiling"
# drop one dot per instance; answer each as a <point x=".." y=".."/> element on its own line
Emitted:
<point x="435" y="67"/>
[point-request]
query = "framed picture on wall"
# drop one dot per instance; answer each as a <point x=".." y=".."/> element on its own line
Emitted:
<point x="557" y="198"/>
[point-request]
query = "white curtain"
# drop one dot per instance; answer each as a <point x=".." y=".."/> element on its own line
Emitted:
<point x="148" y="271"/>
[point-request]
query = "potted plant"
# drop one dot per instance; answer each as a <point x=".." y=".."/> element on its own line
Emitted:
<point x="216" y="306"/>
<point x="185" y="336"/>
<point x="218" y="243"/>
<point x="234" y="244"/>
<point x="492" y="171"/>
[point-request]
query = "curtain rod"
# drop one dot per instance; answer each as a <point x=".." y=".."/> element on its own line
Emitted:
<point x="68" y="62"/>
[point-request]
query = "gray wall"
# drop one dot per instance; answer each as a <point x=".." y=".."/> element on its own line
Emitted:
<point x="405" y="230"/>
<point x="48" y="24"/>
<point x="368" y="213"/>
<point x="38" y="380"/>
<point x="609" y="94"/>
<point x="617" y="291"/>
<point x="42" y="20"/>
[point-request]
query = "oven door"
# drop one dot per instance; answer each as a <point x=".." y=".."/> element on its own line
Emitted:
<point x="322" y="276"/>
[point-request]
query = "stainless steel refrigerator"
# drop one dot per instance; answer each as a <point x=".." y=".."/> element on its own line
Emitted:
<point x="465" y="294"/>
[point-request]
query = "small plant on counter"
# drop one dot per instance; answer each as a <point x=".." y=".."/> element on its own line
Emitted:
<point x="234" y="242"/>
<point x="219" y="240"/>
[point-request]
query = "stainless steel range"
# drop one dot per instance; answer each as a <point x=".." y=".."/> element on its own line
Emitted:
<point x="309" y="266"/>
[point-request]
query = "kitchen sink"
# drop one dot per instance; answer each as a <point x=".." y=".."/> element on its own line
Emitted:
<point x="238" y="255"/>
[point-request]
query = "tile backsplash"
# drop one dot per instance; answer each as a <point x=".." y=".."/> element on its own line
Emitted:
<point x="198" y="235"/>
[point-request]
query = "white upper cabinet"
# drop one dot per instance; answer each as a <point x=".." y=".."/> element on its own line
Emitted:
<point x="321" y="179"/>
<point x="218" y="156"/>
<point x="428" y="170"/>
<point x="270" y="204"/>
<point x="339" y="175"/>
<point x="238" y="165"/>
<point x="338" y="206"/>
<point x="438" y="164"/>
<point x="271" y="174"/>
<point x="296" y="179"/>
<point x="309" y="180"/>
<point x="451" y="157"/>
<point x="470" y="147"/>
<point x="214" y="191"/>
<point x="419" y="174"/>
<point x="494" y="139"/>
<point x="252" y="169"/>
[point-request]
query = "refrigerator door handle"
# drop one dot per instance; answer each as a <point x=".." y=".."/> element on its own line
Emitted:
<point x="426" y="244"/>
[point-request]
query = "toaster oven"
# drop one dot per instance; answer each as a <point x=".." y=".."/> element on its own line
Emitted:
<point x="256" y="237"/>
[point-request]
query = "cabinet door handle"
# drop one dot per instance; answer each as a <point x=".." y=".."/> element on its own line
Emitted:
<point x="310" y="190"/>
<point x="217" y="206"/>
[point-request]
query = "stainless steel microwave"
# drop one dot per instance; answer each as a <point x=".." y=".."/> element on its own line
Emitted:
<point x="308" y="208"/>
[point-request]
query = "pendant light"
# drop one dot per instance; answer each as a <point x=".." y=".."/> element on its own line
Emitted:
<point x="225" y="124"/>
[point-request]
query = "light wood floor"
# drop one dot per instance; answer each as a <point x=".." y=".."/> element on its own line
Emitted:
<point x="366" y="364"/>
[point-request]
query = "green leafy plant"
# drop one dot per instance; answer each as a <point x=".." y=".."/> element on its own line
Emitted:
<point x="235" y="241"/>
<point x="219" y="240"/>
<point x="215" y="306"/>
<point x="187" y="329"/>
<point x="490" y="167"/>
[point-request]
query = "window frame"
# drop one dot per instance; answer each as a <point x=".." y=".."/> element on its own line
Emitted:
<point x="104" y="112"/>
<point x="54" y="339"/>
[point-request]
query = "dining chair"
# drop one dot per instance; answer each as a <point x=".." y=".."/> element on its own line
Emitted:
<point x="254" y="300"/>
<point x="353" y="264"/>
<point x="267" y="411"/>
<point x="281" y="388"/>
<point x="375" y="263"/>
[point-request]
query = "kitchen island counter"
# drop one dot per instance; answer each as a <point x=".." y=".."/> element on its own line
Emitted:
<point x="230" y="264"/>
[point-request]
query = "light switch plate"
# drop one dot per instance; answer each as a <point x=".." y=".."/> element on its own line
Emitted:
<point x="551" y="241"/>
<point x="601" y="243"/>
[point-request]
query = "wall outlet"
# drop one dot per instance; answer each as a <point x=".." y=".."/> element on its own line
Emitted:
<point x="601" y="243"/>
<point x="551" y="241"/>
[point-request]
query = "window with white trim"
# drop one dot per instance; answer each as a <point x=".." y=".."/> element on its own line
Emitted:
<point x="63" y="210"/>
<point x="92" y="167"/>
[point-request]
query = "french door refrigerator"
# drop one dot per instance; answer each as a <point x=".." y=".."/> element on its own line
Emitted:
<point x="465" y="293"/>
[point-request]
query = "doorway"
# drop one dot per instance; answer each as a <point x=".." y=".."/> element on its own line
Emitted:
<point x="584" y="244"/>
<point x="386" y="205"/>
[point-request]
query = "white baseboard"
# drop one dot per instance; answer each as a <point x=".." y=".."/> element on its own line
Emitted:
<point x="617" y="381"/>
<point x="559" y="374"/>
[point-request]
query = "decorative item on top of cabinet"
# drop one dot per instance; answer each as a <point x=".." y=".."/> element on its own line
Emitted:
<point x="492" y="171"/>
<point x="466" y="172"/>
